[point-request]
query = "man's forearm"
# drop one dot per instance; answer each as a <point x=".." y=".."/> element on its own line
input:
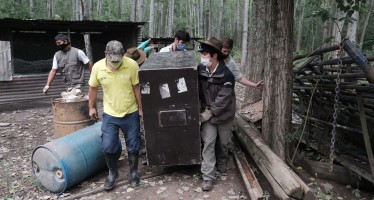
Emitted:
<point x="92" y="95"/>
<point x="51" y="76"/>
<point x="137" y="96"/>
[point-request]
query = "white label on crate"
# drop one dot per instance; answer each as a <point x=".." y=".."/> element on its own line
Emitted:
<point x="145" y="88"/>
<point x="164" y="90"/>
<point x="181" y="85"/>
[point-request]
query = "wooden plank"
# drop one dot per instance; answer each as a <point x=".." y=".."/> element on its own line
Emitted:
<point x="5" y="61"/>
<point x="276" y="171"/>
<point x="369" y="150"/>
<point x="250" y="181"/>
<point x="254" y="111"/>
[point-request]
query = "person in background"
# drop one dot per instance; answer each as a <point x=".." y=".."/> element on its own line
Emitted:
<point x="230" y="63"/>
<point x="138" y="55"/>
<point x="70" y="62"/>
<point x="118" y="77"/>
<point x="217" y="99"/>
<point x="221" y="153"/>
<point x="180" y="39"/>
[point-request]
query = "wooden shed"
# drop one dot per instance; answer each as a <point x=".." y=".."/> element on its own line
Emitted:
<point x="27" y="48"/>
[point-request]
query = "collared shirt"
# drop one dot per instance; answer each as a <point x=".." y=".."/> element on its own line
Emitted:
<point x="210" y="73"/>
<point x="118" y="93"/>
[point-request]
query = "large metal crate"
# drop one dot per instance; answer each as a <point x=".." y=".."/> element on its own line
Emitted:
<point x="169" y="92"/>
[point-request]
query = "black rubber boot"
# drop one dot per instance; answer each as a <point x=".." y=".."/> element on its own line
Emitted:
<point x="111" y="161"/>
<point x="134" y="175"/>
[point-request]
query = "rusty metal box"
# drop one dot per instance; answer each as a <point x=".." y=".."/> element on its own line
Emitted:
<point x="169" y="92"/>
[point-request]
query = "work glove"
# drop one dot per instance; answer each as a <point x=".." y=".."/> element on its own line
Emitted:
<point x="205" y="116"/>
<point x="45" y="89"/>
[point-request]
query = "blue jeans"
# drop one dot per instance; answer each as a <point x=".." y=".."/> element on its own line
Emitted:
<point x="129" y="124"/>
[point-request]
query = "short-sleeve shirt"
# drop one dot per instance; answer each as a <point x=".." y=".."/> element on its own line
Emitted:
<point x="230" y="63"/>
<point x="81" y="56"/>
<point x="118" y="93"/>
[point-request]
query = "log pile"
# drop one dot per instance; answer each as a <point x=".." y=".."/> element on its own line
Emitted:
<point x="285" y="183"/>
<point x="314" y="97"/>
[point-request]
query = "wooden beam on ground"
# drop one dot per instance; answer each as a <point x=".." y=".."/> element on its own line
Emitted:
<point x="250" y="181"/>
<point x="285" y="182"/>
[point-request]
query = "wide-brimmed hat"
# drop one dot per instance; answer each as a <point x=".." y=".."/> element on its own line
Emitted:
<point x="114" y="51"/>
<point x="214" y="43"/>
<point x="136" y="54"/>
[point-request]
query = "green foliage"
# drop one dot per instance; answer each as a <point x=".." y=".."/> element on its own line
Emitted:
<point x="349" y="6"/>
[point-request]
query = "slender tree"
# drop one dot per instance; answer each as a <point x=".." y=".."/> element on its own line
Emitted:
<point x="238" y="28"/>
<point x="219" y="27"/>
<point x="370" y="11"/>
<point x="300" y="26"/>
<point x="133" y="11"/>
<point x="151" y="18"/>
<point x="120" y="9"/>
<point x="170" y="18"/>
<point x="245" y="33"/>
<point x="32" y="11"/>
<point x="201" y="19"/>
<point x="99" y="8"/>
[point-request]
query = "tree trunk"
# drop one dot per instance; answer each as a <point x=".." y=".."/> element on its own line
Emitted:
<point x="140" y="13"/>
<point x="86" y="9"/>
<point x="191" y="6"/>
<point x="300" y="26"/>
<point x="151" y="18"/>
<point x="256" y="59"/>
<point x="326" y="25"/>
<point x="277" y="92"/>
<point x="219" y="27"/>
<point x="99" y="8"/>
<point x="133" y="11"/>
<point x="352" y="28"/>
<point x="238" y="28"/>
<point x="120" y="9"/>
<point x="210" y="25"/>
<point x="337" y="30"/>
<point x="201" y="19"/>
<point x="32" y="11"/>
<point x="245" y="33"/>
<point x="171" y="18"/>
<point x="366" y="24"/>
<point x="51" y="9"/>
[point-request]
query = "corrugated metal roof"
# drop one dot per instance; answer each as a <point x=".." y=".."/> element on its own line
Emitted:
<point x="29" y="88"/>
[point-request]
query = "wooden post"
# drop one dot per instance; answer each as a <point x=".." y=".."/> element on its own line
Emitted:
<point x="369" y="150"/>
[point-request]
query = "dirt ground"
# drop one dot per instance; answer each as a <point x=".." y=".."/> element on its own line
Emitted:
<point x="24" y="126"/>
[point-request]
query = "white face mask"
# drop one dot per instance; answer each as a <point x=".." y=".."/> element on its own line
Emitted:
<point x="206" y="62"/>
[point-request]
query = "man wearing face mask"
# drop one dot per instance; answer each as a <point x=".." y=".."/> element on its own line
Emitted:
<point x="70" y="62"/>
<point x="217" y="98"/>
<point x="118" y="77"/>
<point x="230" y="63"/>
<point x="180" y="39"/>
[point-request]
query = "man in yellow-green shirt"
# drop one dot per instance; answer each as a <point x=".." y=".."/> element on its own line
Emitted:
<point x="118" y="77"/>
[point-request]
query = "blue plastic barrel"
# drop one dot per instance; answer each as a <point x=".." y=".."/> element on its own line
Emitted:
<point x="69" y="160"/>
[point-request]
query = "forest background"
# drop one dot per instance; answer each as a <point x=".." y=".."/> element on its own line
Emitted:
<point x="266" y="33"/>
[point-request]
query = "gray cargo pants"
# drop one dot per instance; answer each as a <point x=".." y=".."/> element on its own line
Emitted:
<point x="209" y="133"/>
